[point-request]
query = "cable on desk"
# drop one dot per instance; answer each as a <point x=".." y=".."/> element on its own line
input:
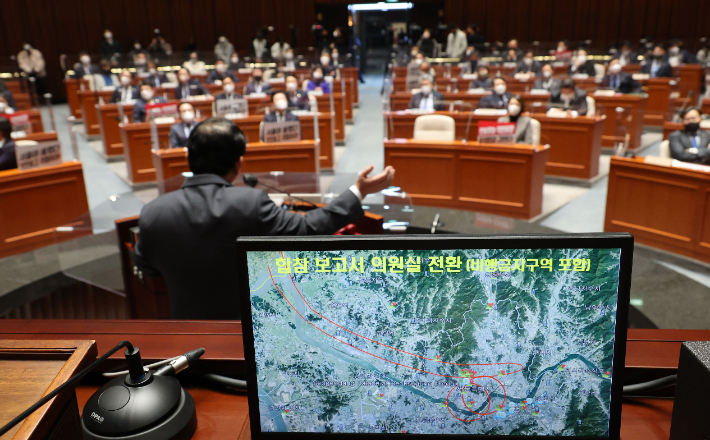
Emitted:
<point x="145" y="367"/>
<point x="651" y="385"/>
<point x="226" y="381"/>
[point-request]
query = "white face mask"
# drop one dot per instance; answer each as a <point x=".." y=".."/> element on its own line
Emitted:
<point x="228" y="88"/>
<point x="137" y="46"/>
<point x="125" y="80"/>
<point x="561" y="49"/>
<point x="187" y="116"/>
<point x="183" y="78"/>
<point x="153" y="71"/>
<point x="27" y="47"/>
<point x="500" y="89"/>
<point x="222" y="39"/>
<point x="289" y="55"/>
<point x="140" y="62"/>
<point x="513" y="109"/>
<point x="567" y="96"/>
<point x="528" y="61"/>
<point x="336" y="34"/>
<point x="616" y="68"/>
<point x="674" y="50"/>
<point x="220" y="68"/>
<point x="324" y="60"/>
<point x="108" y="35"/>
<point x="3" y="107"/>
<point x="546" y="73"/>
<point x="193" y="59"/>
<point x="235" y="60"/>
<point x="291" y="86"/>
<point x="334" y="55"/>
<point x="317" y="75"/>
<point x="426" y="90"/>
<point x="581" y="59"/>
<point x="85" y="59"/>
<point x="418" y="61"/>
<point x="281" y="104"/>
<point x="147" y="95"/>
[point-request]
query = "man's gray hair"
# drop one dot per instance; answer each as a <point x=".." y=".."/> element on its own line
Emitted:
<point x="426" y="77"/>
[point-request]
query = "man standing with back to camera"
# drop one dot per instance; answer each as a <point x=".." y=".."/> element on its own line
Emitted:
<point x="188" y="236"/>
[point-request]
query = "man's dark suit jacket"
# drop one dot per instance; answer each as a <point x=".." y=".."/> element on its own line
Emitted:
<point x="156" y="80"/>
<point x="495" y="101"/>
<point x="188" y="236"/>
<point x="194" y="87"/>
<point x="625" y="83"/>
<point x="535" y="68"/>
<point x="81" y="71"/>
<point x="578" y="103"/>
<point x="116" y="95"/>
<point x="298" y="99"/>
<point x="177" y="135"/>
<point x="139" y="108"/>
<point x="587" y="67"/>
<point x="224" y="96"/>
<point x="251" y="88"/>
<point x="482" y="83"/>
<point x="679" y="143"/>
<point x="552" y="88"/>
<point x="214" y="76"/>
<point x="664" y="71"/>
<point x="8" y="161"/>
<point x="438" y="96"/>
<point x="271" y="117"/>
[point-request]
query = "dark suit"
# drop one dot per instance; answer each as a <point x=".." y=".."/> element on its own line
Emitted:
<point x="118" y="93"/>
<point x="482" y="83"/>
<point x="664" y="70"/>
<point x="298" y="99"/>
<point x="685" y="57"/>
<point x="495" y="101"/>
<point x="10" y="100"/>
<point x="251" y="88"/>
<point x="416" y="100"/>
<point x="234" y="95"/>
<point x="156" y="80"/>
<point x="178" y="138"/>
<point x="587" y="67"/>
<point x="188" y="236"/>
<point x="139" y="107"/>
<point x="622" y="82"/>
<point x="194" y="88"/>
<point x="8" y="161"/>
<point x="631" y="58"/>
<point x="107" y="50"/>
<point x="578" y="103"/>
<point x="535" y="68"/>
<point x="214" y="76"/>
<point x="81" y="71"/>
<point x="679" y="143"/>
<point x="552" y="85"/>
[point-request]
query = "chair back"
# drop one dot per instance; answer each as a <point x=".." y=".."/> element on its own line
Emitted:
<point x="435" y="127"/>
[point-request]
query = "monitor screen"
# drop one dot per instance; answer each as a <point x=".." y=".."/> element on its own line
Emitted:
<point x="470" y="340"/>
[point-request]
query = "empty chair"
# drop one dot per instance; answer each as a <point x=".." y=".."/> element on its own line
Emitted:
<point x="664" y="150"/>
<point x="536" y="127"/>
<point x="435" y="128"/>
<point x="591" y="106"/>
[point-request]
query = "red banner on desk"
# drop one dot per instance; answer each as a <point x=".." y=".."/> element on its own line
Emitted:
<point x="161" y="110"/>
<point x="20" y="121"/>
<point x="496" y="132"/>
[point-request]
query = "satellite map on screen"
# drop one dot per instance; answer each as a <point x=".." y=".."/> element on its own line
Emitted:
<point x="485" y="341"/>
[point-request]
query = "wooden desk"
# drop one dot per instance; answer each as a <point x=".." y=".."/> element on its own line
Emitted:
<point x="16" y="85"/>
<point x="670" y="127"/>
<point x="347" y="98"/>
<point x="35" y="119"/>
<point x="109" y="119"/>
<point x="23" y="101"/>
<point x="35" y="202"/>
<point x="352" y="73"/>
<point x="222" y="415"/>
<point x="659" y="104"/>
<point x="400" y="100"/>
<point x="575" y="143"/>
<point x="629" y="122"/>
<point x="73" y="86"/>
<point x="137" y="146"/>
<point x="663" y="207"/>
<point x="88" y="100"/>
<point x="493" y="178"/>
<point x="338" y="112"/>
<point x="692" y="77"/>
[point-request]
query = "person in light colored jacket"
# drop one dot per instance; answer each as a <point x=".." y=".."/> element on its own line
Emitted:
<point x="31" y="61"/>
<point x="456" y="43"/>
<point x="223" y="50"/>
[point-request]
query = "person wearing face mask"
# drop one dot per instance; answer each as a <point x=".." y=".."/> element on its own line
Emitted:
<point x="219" y="73"/>
<point x="326" y="65"/>
<point x="474" y="37"/>
<point x="582" y="65"/>
<point x="529" y="65"/>
<point x="147" y="96"/>
<point x="427" y="44"/>
<point x="223" y="50"/>
<point x="317" y="82"/>
<point x="547" y="82"/>
<point x="562" y="53"/>
<point x="455" y="42"/>
<point x="155" y="78"/>
<point x="194" y="65"/>
<point x="620" y="81"/>
<point x="235" y="63"/>
<point x="703" y="54"/>
<point x="5" y="94"/>
<point x="228" y="90"/>
<point x="570" y="99"/>
<point x="513" y="45"/>
<point x="523" y="128"/>
<point x="278" y="49"/>
<point x="677" y="55"/>
<point x="289" y="61"/>
<point x="5" y="107"/>
<point x="158" y="47"/>
<point x="109" y="48"/>
<point x="188" y="87"/>
<point x="280" y="111"/>
<point x="84" y="67"/>
<point x="125" y="91"/>
<point x="8" y="160"/>
<point x="180" y="132"/>
<point x="31" y="62"/>
<point x="418" y="60"/>
<point x="499" y="98"/>
<point x="626" y="55"/>
<point x="296" y="98"/>
<point x="690" y="144"/>
<point x="469" y="62"/>
<point x="141" y="64"/>
<point x="257" y="83"/>
<point x="259" y="45"/>
<point x="482" y="81"/>
<point x="137" y="50"/>
<point x="511" y="57"/>
<point x="427" y="98"/>
<point x="657" y="66"/>
<point x="105" y="78"/>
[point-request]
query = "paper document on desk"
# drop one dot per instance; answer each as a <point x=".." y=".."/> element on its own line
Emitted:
<point x="690" y="166"/>
<point x="33" y="155"/>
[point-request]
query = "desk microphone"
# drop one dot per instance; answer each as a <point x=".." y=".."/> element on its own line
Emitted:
<point x="251" y="180"/>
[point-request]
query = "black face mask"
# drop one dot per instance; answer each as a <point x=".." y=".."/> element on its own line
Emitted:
<point x="692" y="127"/>
<point x="257" y="78"/>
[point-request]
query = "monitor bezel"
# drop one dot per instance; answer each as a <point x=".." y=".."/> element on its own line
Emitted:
<point x="622" y="241"/>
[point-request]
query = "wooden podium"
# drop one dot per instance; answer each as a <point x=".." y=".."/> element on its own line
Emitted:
<point x="619" y="124"/>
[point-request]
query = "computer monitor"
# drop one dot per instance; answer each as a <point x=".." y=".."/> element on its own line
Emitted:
<point x="497" y="336"/>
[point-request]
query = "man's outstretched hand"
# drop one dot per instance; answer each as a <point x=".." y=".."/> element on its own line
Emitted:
<point x="368" y="185"/>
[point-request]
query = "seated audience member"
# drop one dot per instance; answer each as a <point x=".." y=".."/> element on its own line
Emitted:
<point x="703" y="54"/>
<point x="580" y="64"/>
<point x="104" y="78"/>
<point x="417" y="60"/>
<point x="626" y="55"/>
<point x="219" y="73"/>
<point x="141" y="63"/>
<point x="335" y="58"/>
<point x="280" y="111"/>
<point x="317" y="82"/>
<point x="691" y="143"/>
<point x="127" y="91"/>
<point x="427" y="44"/>
<point x="7" y="95"/>
<point x="499" y="98"/>
<point x="188" y="87"/>
<point x="569" y="98"/>
<point x="677" y="55"/>
<point x="469" y="61"/>
<point x="137" y="49"/>
<point x="188" y="236"/>
<point x="529" y="65"/>
<point x="513" y="45"/>
<point x="235" y="63"/>
<point x="511" y="56"/>
<point x="7" y="146"/>
<point x="657" y="66"/>
<point x="562" y="53"/>
<point x="326" y="65"/>
<point x="158" y="47"/>
<point x="296" y="98"/>
<point x="223" y="50"/>
<point x="5" y="107"/>
<point x="257" y="83"/>
<point x="618" y="80"/>
<point x="155" y="78"/>
<point x="483" y="81"/>
<point x="523" y="129"/>
<point x="278" y="49"/>
<point x="228" y="90"/>
<point x="547" y="82"/>
<point x="194" y="66"/>
<point x="109" y="48"/>
<point x="147" y="97"/>
<point x="426" y="69"/>
<point x="290" y="62"/>
<point x="84" y="67"/>
<point x="427" y="98"/>
<point x="180" y="132"/>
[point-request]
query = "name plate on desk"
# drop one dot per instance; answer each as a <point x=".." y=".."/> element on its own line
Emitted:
<point x="496" y="132"/>
<point x="287" y="131"/>
<point x="31" y="154"/>
<point x="20" y="121"/>
<point x="226" y="106"/>
<point x="167" y="109"/>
